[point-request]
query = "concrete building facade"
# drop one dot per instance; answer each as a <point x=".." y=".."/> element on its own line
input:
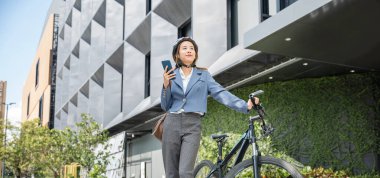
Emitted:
<point x="39" y="88"/>
<point x="110" y="53"/>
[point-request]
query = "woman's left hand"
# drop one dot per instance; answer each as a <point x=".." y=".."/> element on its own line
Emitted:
<point x="250" y="104"/>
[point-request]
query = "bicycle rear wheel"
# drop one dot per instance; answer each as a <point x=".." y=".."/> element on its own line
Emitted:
<point x="203" y="169"/>
<point x="269" y="168"/>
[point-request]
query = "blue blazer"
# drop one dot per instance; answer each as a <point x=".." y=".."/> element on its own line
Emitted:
<point x="201" y="85"/>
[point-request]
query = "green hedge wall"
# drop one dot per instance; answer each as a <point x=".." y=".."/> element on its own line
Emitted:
<point x="330" y="121"/>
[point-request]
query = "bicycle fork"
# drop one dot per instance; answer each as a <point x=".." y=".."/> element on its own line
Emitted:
<point x="255" y="152"/>
<point x="255" y="159"/>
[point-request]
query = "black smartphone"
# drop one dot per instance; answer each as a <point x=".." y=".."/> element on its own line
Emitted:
<point x="167" y="63"/>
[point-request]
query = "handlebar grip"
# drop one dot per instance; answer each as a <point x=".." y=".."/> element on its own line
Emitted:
<point x="256" y="93"/>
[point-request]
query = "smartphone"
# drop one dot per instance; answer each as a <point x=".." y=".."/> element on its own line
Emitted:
<point x="167" y="63"/>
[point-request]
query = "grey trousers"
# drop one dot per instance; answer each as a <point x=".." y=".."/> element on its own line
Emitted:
<point x="180" y="143"/>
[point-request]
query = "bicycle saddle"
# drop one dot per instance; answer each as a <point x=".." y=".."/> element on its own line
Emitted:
<point x="219" y="137"/>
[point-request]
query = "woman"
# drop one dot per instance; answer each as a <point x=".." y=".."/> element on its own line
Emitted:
<point x="184" y="97"/>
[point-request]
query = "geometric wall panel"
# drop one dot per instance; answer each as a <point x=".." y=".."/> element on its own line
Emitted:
<point x="112" y="91"/>
<point x="98" y="77"/>
<point x="62" y="34"/>
<point x="67" y="63"/>
<point x="96" y="102"/>
<point x="78" y="5"/>
<point x="69" y="19"/>
<point x="116" y="60"/>
<point x="114" y="26"/>
<point x="100" y="15"/>
<point x="74" y="100"/>
<point x="87" y="34"/>
<point x="85" y="90"/>
<point x="75" y="51"/>
<point x="180" y="11"/>
<point x="141" y="36"/>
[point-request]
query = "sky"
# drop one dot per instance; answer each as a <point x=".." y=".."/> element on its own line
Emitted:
<point x="22" y="22"/>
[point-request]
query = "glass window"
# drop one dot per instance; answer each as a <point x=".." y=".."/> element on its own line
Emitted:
<point x="286" y="3"/>
<point x="37" y="72"/>
<point x="264" y="10"/>
<point x="185" y="29"/>
<point x="148" y="6"/>
<point x="232" y="24"/>
<point x="27" y="105"/>
<point x="40" y="111"/>
<point x="147" y="75"/>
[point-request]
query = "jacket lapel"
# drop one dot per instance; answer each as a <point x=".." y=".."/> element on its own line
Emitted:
<point x="178" y="79"/>
<point x="194" y="78"/>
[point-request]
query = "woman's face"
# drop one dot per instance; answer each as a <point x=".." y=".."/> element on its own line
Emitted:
<point x="187" y="52"/>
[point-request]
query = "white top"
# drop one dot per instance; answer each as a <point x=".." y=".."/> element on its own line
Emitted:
<point x="185" y="79"/>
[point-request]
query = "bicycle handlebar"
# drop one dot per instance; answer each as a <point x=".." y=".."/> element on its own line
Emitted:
<point x="256" y="93"/>
<point x="257" y="107"/>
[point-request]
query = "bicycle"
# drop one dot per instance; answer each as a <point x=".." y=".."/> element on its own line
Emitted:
<point x="250" y="167"/>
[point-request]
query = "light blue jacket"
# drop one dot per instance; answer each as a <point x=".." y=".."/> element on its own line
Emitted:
<point x="201" y="85"/>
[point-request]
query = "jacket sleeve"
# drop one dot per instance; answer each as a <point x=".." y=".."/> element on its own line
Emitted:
<point x="166" y="98"/>
<point x="224" y="97"/>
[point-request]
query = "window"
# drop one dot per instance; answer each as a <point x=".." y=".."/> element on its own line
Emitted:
<point x="147" y="75"/>
<point x="37" y="72"/>
<point x="286" y="3"/>
<point x="232" y="24"/>
<point x="185" y="29"/>
<point x="40" y="111"/>
<point x="148" y="6"/>
<point x="27" y="105"/>
<point x="264" y="10"/>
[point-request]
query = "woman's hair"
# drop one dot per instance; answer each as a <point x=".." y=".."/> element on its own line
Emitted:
<point x="175" y="53"/>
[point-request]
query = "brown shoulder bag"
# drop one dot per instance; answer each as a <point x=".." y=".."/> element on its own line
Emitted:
<point x="159" y="128"/>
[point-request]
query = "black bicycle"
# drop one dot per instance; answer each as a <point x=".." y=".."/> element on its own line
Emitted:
<point x="256" y="166"/>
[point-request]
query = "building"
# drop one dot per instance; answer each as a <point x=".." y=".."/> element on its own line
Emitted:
<point x="39" y="88"/>
<point x="110" y="53"/>
<point x="3" y="97"/>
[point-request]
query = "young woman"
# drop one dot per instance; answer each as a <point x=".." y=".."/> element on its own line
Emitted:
<point x="184" y="97"/>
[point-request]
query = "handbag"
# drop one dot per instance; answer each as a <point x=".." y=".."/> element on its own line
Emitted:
<point x="159" y="128"/>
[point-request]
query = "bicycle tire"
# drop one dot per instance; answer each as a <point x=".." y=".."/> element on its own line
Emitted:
<point x="203" y="169"/>
<point x="264" y="163"/>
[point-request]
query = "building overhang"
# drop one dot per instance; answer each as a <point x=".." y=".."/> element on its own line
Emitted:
<point x="341" y="32"/>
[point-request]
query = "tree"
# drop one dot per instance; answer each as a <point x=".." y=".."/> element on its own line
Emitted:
<point x="23" y="148"/>
<point x="56" y="150"/>
<point x="37" y="150"/>
<point x="89" y="138"/>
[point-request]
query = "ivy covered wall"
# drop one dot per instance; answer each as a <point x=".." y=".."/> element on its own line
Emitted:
<point x="330" y="121"/>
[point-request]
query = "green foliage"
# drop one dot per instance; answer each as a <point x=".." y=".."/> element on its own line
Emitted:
<point x="22" y="152"/>
<point x="43" y="152"/>
<point x="90" y="146"/>
<point x="97" y="172"/>
<point x="322" y="172"/>
<point x="330" y="122"/>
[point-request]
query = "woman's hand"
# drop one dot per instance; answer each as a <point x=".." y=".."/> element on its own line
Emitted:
<point x="168" y="76"/>
<point x="250" y="104"/>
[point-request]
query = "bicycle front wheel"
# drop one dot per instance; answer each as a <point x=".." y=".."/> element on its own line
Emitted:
<point x="203" y="169"/>
<point x="269" y="168"/>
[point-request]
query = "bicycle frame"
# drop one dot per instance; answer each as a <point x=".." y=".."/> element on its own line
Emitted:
<point x="247" y="138"/>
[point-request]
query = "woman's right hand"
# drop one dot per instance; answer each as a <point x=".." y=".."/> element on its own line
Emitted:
<point x="168" y="76"/>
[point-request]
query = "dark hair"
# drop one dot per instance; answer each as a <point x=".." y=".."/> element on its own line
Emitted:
<point x="176" y="49"/>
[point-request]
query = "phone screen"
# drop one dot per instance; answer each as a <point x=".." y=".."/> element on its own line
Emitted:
<point x="167" y="63"/>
